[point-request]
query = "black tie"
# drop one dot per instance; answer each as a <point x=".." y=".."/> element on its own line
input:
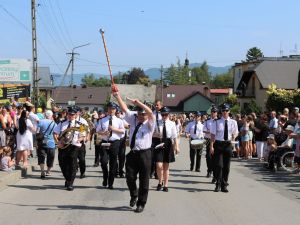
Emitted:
<point x="195" y="129"/>
<point x="132" y="143"/>
<point x="164" y="132"/>
<point x="157" y="122"/>
<point x="226" y="131"/>
<point x="110" y="124"/>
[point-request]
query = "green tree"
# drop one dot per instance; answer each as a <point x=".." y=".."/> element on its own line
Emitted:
<point x="90" y="81"/>
<point x="253" y="53"/>
<point x="178" y="75"/>
<point x="201" y="74"/>
<point x="224" y="80"/>
<point x="136" y="76"/>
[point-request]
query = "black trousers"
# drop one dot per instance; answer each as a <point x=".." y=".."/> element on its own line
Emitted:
<point x="67" y="159"/>
<point x="45" y="154"/>
<point x="209" y="157"/>
<point x="121" y="156"/>
<point x="81" y="158"/>
<point x="109" y="155"/>
<point x="222" y="158"/>
<point x="97" y="154"/>
<point x="138" y="162"/>
<point x="155" y="141"/>
<point x="195" y="153"/>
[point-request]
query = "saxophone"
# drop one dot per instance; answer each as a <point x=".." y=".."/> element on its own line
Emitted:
<point x="66" y="137"/>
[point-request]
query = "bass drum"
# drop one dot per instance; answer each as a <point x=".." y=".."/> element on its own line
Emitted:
<point x="287" y="161"/>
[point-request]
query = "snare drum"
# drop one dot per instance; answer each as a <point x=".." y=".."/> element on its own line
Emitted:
<point x="197" y="143"/>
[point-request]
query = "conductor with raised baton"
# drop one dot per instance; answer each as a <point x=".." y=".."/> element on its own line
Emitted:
<point x="223" y="131"/>
<point x="138" y="160"/>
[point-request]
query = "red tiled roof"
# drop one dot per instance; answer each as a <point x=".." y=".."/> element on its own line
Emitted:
<point x="219" y="91"/>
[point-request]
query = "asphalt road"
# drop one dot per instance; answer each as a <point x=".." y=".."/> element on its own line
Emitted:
<point x="255" y="196"/>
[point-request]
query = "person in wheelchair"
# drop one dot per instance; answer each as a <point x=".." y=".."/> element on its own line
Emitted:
<point x="275" y="155"/>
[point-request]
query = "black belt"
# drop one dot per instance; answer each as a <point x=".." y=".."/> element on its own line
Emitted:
<point x="223" y="142"/>
<point x="110" y="141"/>
<point x="140" y="151"/>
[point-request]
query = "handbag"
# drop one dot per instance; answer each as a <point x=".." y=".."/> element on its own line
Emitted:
<point x="40" y="136"/>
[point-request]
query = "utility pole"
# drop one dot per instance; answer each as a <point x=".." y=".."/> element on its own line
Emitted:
<point x="161" y="83"/>
<point x="34" y="56"/>
<point x="72" y="64"/>
<point x="72" y="61"/>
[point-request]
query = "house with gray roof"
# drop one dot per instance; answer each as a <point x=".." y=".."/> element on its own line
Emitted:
<point x="252" y="79"/>
<point x="91" y="97"/>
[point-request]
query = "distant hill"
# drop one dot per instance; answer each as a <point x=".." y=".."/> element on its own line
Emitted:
<point x="153" y="73"/>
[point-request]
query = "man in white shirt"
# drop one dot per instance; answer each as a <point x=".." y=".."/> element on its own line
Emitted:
<point x="138" y="160"/>
<point x="223" y="131"/>
<point x="111" y="129"/>
<point x="194" y="131"/>
<point x="273" y="125"/>
<point x="206" y="130"/>
<point x="67" y="157"/>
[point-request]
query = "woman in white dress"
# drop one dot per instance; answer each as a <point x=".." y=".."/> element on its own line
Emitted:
<point x="24" y="138"/>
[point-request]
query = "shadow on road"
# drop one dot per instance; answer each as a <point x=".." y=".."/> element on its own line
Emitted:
<point x="292" y="181"/>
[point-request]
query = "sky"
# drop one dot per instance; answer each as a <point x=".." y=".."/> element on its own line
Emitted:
<point x="148" y="34"/>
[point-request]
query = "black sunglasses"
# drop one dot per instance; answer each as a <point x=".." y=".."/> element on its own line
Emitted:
<point x="226" y="110"/>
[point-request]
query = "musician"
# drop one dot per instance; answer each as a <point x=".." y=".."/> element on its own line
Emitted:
<point x="194" y="131"/>
<point x="156" y="135"/>
<point x="67" y="157"/>
<point x="207" y="136"/>
<point x="223" y="131"/>
<point x="97" y="138"/>
<point x="122" y="148"/>
<point x="165" y="154"/>
<point x="82" y="152"/>
<point x="138" y="160"/>
<point x="111" y="129"/>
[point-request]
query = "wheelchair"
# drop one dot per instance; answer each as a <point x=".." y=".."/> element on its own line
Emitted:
<point x="282" y="158"/>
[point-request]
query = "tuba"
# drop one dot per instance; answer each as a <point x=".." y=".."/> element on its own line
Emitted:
<point x="67" y="135"/>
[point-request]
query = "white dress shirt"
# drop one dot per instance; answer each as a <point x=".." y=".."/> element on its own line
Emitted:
<point x="158" y="118"/>
<point x="170" y="128"/>
<point x="190" y="128"/>
<point x="60" y="127"/>
<point x="218" y="126"/>
<point x="104" y="124"/>
<point x="207" y="126"/>
<point x="143" y="138"/>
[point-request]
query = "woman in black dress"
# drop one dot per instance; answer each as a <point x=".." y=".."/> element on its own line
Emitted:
<point x="165" y="154"/>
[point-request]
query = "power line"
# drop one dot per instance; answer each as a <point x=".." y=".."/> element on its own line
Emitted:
<point x="29" y="31"/>
<point x="52" y="24"/>
<point x="64" y="23"/>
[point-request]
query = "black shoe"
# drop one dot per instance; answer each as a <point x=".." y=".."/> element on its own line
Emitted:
<point x="70" y="187"/>
<point x="208" y="175"/>
<point x="214" y="180"/>
<point x="165" y="189"/>
<point x="159" y="187"/>
<point x="139" y="209"/>
<point x="96" y="165"/>
<point x="217" y="189"/>
<point x="191" y="168"/>
<point x="43" y="176"/>
<point x="82" y="176"/>
<point x="132" y="201"/>
<point x="197" y="170"/>
<point x="224" y="189"/>
<point x="104" y="183"/>
<point x="122" y="176"/>
<point x="110" y="187"/>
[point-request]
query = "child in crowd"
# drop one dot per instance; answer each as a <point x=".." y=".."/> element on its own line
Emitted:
<point x="6" y="162"/>
<point x="270" y="150"/>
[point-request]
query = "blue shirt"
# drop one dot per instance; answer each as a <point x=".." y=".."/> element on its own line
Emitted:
<point x="48" y="136"/>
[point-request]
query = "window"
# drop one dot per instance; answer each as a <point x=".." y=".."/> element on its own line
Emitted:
<point x="168" y="95"/>
<point x="173" y="95"/>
